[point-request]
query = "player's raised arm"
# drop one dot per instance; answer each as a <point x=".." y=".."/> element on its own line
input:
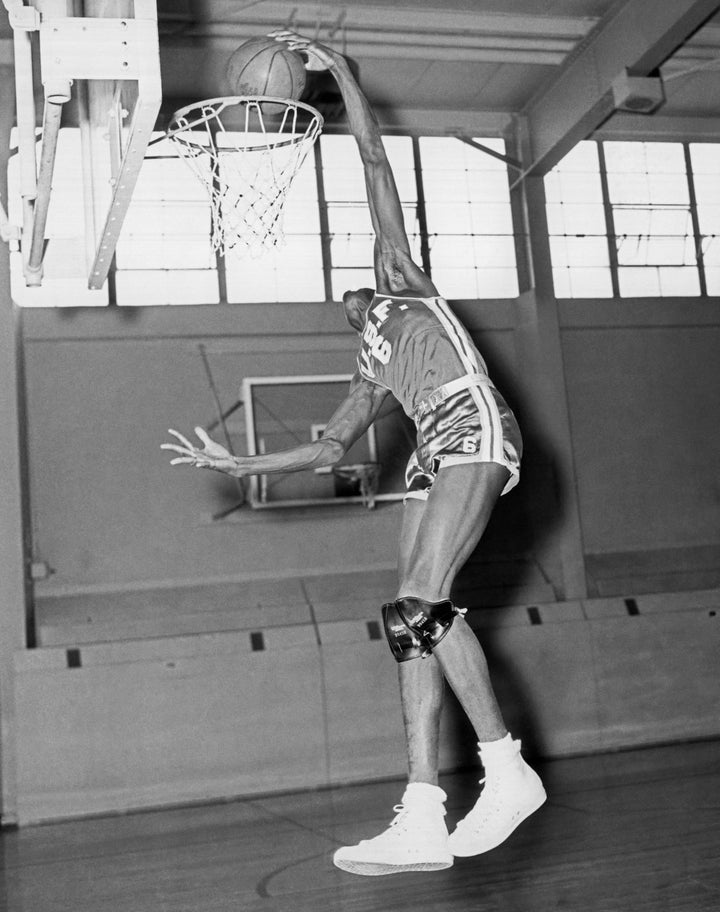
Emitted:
<point x="395" y="270"/>
<point x="350" y="421"/>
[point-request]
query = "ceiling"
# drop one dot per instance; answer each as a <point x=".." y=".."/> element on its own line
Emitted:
<point x="458" y="64"/>
<point x="465" y="55"/>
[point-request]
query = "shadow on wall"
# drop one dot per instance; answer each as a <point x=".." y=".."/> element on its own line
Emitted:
<point x="459" y="737"/>
<point x="517" y="560"/>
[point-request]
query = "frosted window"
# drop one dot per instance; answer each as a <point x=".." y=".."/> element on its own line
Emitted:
<point x="658" y="282"/>
<point x="148" y="287"/>
<point x="650" y="196"/>
<point x="579" y="252"/>
<point x="352" y="250"/>
<point x="352" y="235"/>
<point x="705" y="158"/>
<point x="582" y="282"/>
<point x="577" y="227"/>
<point x="293" y="270"/>
<point x="476" y="283"/>
<point x="644" y="158"/>
<point x="350" y="279"/>
<point x="712" y="278"/>
<point x="469" y="220"/>
<point x="711" y="251"/>
<point x="164" y="254"/>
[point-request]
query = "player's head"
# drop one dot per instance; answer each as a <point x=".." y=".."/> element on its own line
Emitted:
<point x="355" y="303"/>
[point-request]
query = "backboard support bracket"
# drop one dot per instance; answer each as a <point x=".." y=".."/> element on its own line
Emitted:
<point x="114" y="63"/>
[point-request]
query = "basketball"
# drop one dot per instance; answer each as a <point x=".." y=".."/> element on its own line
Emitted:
<point x="261" y="66"/>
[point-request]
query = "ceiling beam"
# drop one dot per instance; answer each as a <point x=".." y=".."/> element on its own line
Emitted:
<point x="331" y="20"/>
<point x="626" y="127"/>
<point x="639" y="36"/>
<point x="372" y="31"/>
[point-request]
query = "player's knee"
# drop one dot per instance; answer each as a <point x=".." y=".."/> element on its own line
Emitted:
<point x="414" y="626"/>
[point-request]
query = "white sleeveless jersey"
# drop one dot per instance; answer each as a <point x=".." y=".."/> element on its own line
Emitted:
<point x="412" y="346"/>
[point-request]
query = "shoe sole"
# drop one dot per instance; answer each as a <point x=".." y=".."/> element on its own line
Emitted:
<point x="465" y="852"/>
<point x="377" y="869"/>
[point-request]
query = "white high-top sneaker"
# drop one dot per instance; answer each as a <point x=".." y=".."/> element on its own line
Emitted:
<point x="511" y="792"/>
<point x="416" y="840"/>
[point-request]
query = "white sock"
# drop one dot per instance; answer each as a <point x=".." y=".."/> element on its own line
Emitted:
<point x="424" y="791"/>
<point x="499" y="755"/>
<point x="502" y="747"/>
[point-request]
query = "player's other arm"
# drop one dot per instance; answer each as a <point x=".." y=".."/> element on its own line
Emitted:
<point x="349" y="422"/>
<point x="395" y="270"/>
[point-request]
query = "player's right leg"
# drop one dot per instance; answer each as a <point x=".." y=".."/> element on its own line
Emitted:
<point x="417" y="839"/>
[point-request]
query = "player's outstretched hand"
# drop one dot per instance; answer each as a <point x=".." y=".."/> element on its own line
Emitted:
<point x="318" y="56"/>
<point x="211" y="456"/>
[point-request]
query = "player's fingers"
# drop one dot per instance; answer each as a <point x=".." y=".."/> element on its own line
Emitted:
<point x="292" y="39"/>
<point x="182" y="460"/>
<point x="183" y="440"/>
<point x="203" y="435"/>
<point x="174" y="447"/>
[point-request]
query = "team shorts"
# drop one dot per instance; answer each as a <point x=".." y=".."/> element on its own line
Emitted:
<point x="472" y="425"/>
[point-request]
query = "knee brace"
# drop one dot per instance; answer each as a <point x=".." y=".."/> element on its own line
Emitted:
<point x="414" y="627"/>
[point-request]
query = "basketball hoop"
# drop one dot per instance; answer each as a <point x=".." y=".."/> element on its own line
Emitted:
<point x="366" y="474"/>
<point x="245" y="150"/>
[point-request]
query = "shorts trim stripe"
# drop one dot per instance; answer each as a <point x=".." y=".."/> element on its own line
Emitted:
<point x="491" y="443"/>
<point x="486" y="423"/>
<point x="499" y="431"/>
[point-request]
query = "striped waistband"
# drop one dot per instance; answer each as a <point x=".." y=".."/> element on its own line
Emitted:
<point x="438" y="396"/>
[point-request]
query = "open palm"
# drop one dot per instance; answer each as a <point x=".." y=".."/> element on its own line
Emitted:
<point x="211" y="456"/>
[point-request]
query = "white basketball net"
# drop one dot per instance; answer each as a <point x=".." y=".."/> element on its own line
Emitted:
<point x="246" y="163"/>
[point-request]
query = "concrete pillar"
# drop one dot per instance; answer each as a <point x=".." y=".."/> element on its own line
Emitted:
<point x="14" y="588"/>
<point x="542" y="378"/>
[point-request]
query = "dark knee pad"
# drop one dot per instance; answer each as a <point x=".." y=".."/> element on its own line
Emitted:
<point x="404" y="643"/>
<point x="414" y="627"/>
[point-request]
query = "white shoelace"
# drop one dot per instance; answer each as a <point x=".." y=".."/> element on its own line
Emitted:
<point x="397" y="824"/>
<point x="401" y="814"/>
<point x="487" y="806"/>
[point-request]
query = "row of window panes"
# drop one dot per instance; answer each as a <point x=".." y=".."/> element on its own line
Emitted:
<point x="164" y="255"/>
<point x="648" y="191"/>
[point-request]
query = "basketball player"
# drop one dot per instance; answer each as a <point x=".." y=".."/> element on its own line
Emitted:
<point x="469" y="446"/>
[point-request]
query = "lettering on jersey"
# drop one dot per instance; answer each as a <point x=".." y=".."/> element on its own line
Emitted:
<point x="381" y="312"/>
<point x="376" y="346"/>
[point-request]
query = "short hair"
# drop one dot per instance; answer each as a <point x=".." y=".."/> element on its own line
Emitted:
<point x="364" y="294"/>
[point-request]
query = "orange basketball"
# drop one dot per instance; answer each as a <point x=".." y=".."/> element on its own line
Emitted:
<point x="261" y="66"/>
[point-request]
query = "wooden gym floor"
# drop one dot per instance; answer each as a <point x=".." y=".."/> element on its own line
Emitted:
<point x="637" y="831"/>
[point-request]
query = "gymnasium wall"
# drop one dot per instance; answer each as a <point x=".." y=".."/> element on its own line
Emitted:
<point x="642" y="382"/>
<point x="643" y="388"/>
<point x="184" y="659"/>
<point x="103" y="387"/>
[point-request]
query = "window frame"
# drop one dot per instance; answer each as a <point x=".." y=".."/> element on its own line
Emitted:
<point x="695" y="238"/>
